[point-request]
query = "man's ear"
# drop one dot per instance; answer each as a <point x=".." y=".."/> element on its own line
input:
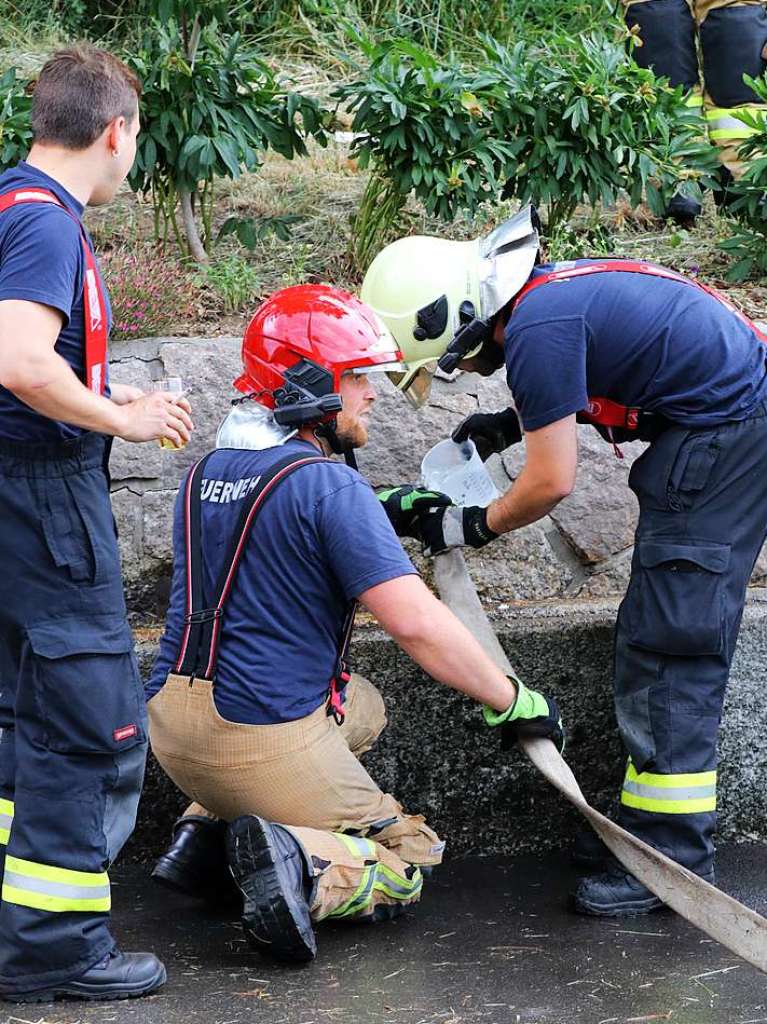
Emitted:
<point x="115" y="134"/>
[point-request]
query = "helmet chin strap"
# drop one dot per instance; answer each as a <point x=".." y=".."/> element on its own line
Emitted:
<point x="327" y="432"/>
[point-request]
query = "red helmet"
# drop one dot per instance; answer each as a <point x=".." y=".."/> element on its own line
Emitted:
<point x="300" y="342"/>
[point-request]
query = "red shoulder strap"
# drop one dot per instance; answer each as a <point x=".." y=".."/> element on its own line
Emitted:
<point x="636" y="267"/>
<point x="94" y="303"/>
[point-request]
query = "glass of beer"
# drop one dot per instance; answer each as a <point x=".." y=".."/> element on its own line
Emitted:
<point x="174" y="387"/>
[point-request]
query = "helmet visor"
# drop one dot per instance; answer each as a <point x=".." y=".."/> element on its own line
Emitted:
<point x="394" y="367"/>
<point x="415" y="384"/>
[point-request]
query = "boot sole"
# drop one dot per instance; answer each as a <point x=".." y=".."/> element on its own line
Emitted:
<point x="74" y="991"/>
<point x="274" y="921"/>
<point x="634" y="908"/>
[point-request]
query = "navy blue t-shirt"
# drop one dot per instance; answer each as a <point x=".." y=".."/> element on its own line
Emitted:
<point x="42" y="260"/>
<point x="321" y="539"/>
<point x="662" y="345"/>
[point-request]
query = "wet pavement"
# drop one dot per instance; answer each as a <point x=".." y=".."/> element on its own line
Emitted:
<point x="491" y="943"/>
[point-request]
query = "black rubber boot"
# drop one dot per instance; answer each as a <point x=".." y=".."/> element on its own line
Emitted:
<point x="724" y="196"/>
<point x="614" y="893"/>
<point x="272" y="872"/>
<point x="683" y="210"/>
<point x="195" y="862"/>
<point x="117" y="976"/>
<point x="589" y="852"/>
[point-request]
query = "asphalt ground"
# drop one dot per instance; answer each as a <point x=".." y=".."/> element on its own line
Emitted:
<point x="492" y="942"/>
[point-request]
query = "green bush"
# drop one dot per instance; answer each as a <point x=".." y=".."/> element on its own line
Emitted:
<point x="589" y="123"/>
<point x="15" y="127"/>
<point x="423" y="127"/>
<point x="211" y="106"/>
<point x="577" y="125"/>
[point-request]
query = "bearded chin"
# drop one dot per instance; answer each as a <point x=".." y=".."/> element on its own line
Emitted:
<point x="352" y="436"/>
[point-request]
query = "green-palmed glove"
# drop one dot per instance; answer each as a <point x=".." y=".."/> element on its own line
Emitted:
<point x="531" y="714"/>
<point x="404" y="504"/>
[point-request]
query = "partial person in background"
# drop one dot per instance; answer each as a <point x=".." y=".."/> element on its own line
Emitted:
<point x="732" y="35"/>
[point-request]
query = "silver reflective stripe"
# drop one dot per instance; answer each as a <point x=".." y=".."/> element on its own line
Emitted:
<point x="356" y="845"/>
<point x="662" y="793"/>
<point x="6" y="820"/>
<point x="58" y="889"/>
<point x="722" y="125"/>
<point x="404" y="888"/>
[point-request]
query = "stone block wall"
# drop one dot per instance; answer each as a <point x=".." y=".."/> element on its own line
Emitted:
<point x="582" y="550"/>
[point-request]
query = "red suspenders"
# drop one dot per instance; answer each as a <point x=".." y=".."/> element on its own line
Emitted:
<point x="94" y="304"/>
<point x="602" y="411"/>
<point x="198" y="653"/>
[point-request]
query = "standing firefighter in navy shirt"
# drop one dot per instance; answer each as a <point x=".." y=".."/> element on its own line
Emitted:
<point x="72" y="723"/>
<point x="252" y="712"/>
<point x="640" y="352"/>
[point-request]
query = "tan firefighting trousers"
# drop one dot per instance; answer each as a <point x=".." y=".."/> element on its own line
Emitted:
<point x="724" y="129"/>
<point x="306" y="775"/>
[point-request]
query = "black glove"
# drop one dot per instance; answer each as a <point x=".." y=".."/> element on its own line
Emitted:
<point x="404" y="504"/>
<point x="490" y="431"/>
<point x="531" y="714"/>
<point x="454" y="527"/>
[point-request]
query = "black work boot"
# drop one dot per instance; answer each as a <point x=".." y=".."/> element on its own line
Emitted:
<point x="273" y="874"/>
<point x="589" y="852"/>
<point x="683" y="210"/>
<point x="614" y="893"/>
<point x="116" y="976"/>
<point x="195" y="862"/>
<point x="723" y="194"/>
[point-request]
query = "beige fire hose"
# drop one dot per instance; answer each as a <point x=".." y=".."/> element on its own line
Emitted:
<point x="737" y="927"/>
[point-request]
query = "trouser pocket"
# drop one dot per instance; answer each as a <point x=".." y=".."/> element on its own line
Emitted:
<point x="86" y="685"/>
<point x="677" y="605"/>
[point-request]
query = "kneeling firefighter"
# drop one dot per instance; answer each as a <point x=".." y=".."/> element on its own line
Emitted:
<point x="644" y="353"/>
<point x="252" y="711"/>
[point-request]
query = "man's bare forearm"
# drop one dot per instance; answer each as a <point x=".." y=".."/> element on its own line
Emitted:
<point x="434" y="638"/>
<point x="547" y="477"/>
<point x="51" y="388"/>
<point x="525" y="502"/>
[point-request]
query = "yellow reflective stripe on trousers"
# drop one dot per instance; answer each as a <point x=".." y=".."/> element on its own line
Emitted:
<point x="361" y="896"/>
<point x="686" y="793"/>
<point x="694" y="99"/>
<point x="45" y="887"/>
<point x="723" y="124"/>
<point x="6" y="820"/>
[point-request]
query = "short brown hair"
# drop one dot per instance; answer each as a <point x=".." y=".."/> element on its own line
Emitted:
<point x="78" y="92"/>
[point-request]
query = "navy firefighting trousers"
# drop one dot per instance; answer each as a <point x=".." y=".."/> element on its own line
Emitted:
<point x="702" y="521"/>
<point x="72" y="716"/>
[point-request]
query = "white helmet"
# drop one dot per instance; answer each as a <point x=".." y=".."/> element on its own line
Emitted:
<point x="437" y="297"/>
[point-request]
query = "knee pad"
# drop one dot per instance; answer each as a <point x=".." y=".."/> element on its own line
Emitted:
<point x="667" y="32"/>
<point x="732" y="39"/>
